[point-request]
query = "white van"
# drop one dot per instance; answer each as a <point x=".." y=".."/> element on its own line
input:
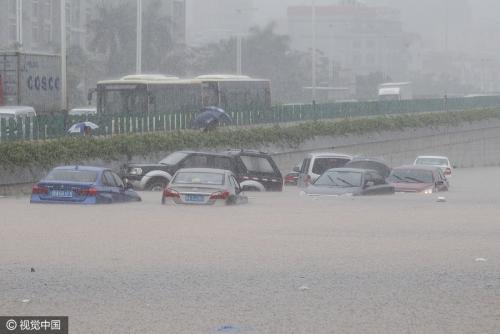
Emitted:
<point x="315" y="164"/>
<point x="17" y="111"/>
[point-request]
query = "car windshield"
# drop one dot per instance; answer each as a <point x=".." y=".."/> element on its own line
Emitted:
<point x="199" y="178"/>
<point x="411" y="176"/>
<point x="339" y="179"/>
<point x="174" y="158"/>
<point x="432" y="161"/>
<point x="65" y="175"/>
<point x="323" y="164"/>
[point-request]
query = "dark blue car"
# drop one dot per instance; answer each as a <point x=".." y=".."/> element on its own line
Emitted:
<point x="82" y="185"/>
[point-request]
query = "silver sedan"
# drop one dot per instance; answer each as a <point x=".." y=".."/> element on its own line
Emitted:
<point x="203" y="186"/>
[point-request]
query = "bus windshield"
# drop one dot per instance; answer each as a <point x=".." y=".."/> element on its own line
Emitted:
<point x="126" y="98"/>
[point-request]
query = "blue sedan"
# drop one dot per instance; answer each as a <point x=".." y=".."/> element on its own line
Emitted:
<point x="82" y="185"/>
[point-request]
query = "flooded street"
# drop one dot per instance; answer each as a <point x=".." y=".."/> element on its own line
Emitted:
<point x="283" y="263"/>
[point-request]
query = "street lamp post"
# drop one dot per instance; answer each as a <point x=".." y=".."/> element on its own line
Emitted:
<point x="19" y="23"/>
<point x="139" y="38"/>
<point x="313" y="65"/>
<point x="64" y="99"/>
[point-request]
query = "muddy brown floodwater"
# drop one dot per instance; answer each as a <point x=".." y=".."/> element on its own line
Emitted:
<point x="281" y="264"/>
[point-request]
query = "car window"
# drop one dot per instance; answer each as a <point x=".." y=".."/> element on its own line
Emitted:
<point x="174" y="158"/>
<point x="72" y="175"/>
<point x="199" y="178"/>
<point x="195" y="161"/>
<point x="305" y="166"/>
<point x="222" y="163"/>
<point x="257" y="164"/>
<point x="118" y="180"/>
<point x="323" y="164"/>
<point x="108" y="179"/>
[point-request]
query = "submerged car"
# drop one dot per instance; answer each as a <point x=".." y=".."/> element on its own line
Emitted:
<point x="418" y="179"/>
<point x="435" y="161"/>
<point x="256" y="171"/>
<point x="315" y="164"/>
<point x="349" y="181"/>
<point x="370" y="163"/>
<point x="203" y="186"/>
<point x="82" y="185"/>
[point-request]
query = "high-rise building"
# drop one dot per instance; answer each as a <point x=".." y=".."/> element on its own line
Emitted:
<point x="354" y="36"/>
<point x="41" y="24"/>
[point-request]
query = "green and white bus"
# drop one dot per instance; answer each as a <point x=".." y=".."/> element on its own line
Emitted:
<point x="163" y="94"/>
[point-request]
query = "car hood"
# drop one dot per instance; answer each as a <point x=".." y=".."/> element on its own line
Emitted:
<point x="411" y="187"/>
<point x="326" y="190"/>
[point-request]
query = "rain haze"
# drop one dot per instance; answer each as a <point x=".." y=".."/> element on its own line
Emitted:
<point x="249" y="166"/>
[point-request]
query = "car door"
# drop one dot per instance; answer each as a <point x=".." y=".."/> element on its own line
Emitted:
<point x="304" y="170"/>
<point x="121" y="194"/>
<point x="110" y="188"/>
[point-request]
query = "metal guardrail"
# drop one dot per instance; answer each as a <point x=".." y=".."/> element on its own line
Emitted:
<point x="54" y="126"/>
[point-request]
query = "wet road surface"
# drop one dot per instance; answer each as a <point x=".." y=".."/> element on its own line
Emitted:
<point x="282" y="264"/>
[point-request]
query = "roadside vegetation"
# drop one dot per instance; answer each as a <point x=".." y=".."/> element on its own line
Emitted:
<point x="71" y="150"/>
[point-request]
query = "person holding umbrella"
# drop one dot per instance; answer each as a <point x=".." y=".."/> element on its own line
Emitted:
<point x="84" y="128"/>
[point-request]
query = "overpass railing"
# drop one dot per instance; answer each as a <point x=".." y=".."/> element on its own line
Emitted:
<point x="44" y="127"/>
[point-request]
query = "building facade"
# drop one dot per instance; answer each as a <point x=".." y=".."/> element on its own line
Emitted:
<point x="354" y="36"/>
<point x="41" y="24"/>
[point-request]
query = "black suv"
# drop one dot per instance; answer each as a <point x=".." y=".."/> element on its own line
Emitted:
<point x="256" y="171"/>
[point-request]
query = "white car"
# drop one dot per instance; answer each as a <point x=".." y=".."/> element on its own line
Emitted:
<point x="315" y="164"/>
<point x="437" y="161"/>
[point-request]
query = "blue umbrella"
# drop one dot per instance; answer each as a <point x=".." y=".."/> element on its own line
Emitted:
<point x="80" y="127"/>
<point x="209" y="117"/>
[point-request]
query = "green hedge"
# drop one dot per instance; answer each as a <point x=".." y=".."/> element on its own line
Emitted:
<point x="73" y="150"/>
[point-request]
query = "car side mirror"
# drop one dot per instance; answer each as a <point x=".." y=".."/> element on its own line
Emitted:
<point x="296" y="169"/>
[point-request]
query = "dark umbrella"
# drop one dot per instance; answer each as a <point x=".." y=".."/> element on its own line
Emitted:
<point x="210" y="117"/>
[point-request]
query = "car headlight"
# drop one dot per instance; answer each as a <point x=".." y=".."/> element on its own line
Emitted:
<point x="135" y="171"/>
<point x="428" y="191"/>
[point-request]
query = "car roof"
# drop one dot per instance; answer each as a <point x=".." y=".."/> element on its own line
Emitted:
<point x="17" y="111"/>
<point x="84" y="168"/>
<point x="431" y="157"/>
<point x="418" y="167"/>
<point x="328" y="154"/>
<point x="204" y="170"/>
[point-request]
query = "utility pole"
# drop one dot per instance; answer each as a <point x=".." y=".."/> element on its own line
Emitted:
<point x="238" y="54"/>
<point x="313" y="30"/>
<point x="139" y="38"/>
<point x="19" y="23"/>
<point x="64" y="98"/>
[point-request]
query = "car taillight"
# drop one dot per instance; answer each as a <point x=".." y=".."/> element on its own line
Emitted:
<point x="171" y="193"/>
<point x="39" y="190"/>
<point x="220" y="195"/>
<point x="90" y="192"/>
<point x="447" y="172"/>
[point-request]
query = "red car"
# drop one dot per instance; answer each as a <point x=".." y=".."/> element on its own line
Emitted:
<point x="418" y="179"/>
<point x="291" y="178"/>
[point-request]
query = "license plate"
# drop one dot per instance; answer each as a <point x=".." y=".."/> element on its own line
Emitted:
<point x="61" y="193"/>
<point x="194" y="198"/>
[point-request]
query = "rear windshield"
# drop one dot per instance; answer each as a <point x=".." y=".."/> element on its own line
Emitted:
<point x="199" y="178"/>
<point x="323" y="164"/>
<point x="432" y="161"/>
<point x="72" y="176"/>
<point x="257" y="164"/>
<point x="174" y="158"/>
<point x="411" y="176"/>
